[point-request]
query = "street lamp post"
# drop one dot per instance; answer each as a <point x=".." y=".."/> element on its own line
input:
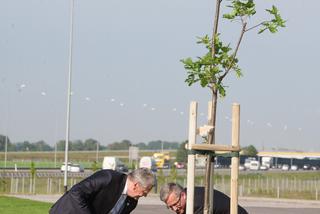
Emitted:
<point x="55" y="155"/>
<point x="5" y="152"/>
<point x="97" y="152"/>
<point x="7" y="134"/>
<point x="68" y="97"/>
<point x="162" y="146"/>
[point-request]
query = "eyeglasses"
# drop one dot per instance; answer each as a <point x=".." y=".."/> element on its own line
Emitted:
<point x="175" y="204"/>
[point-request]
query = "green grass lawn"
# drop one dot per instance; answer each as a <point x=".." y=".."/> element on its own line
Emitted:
<point x="10" y="205"/>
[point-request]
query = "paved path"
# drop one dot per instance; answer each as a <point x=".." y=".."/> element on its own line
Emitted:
<point x="152" y="205"/>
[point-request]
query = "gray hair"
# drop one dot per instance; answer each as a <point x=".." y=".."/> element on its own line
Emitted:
<point x="143" y="176"/>
<point x="169" y="188"/>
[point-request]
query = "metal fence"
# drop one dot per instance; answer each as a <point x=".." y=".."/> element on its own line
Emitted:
<point x="52" y="183"/>
<point x="36" y="185"/>
<point x="264" y="187"/>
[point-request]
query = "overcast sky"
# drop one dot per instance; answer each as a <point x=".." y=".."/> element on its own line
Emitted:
<point x="128" y="81"/>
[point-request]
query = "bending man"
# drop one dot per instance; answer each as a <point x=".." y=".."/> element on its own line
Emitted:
<point x="106" y="192"/>
<point x="175" y="198"/>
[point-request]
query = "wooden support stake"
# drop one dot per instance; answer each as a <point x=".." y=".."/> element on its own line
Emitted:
<point x="215" y="147"/>
<point x="211" y="183"/>
<point x="235" y="160"/>
<point x="191" y="158"/>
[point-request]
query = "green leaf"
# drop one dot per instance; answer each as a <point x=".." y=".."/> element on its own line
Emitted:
<point x="238" y="72"/>
<point x="221" y="90"/>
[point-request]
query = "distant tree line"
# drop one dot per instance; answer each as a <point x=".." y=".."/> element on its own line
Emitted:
<point x="87" y="145"/>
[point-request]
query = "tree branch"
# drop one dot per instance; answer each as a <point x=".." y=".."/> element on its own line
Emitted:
<point x="235" y="53"/>
<point x="215" y="27"/>
<point x="255" y="26"/>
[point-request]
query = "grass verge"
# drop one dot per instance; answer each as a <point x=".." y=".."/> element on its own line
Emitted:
<point x="11" y="205"/>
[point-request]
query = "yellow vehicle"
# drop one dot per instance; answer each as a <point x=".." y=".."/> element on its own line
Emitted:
<point x="162" y="160"/>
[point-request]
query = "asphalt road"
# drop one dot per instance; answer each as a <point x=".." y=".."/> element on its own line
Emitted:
<point x="152" y="205"/>
<point x="157" y="209"/>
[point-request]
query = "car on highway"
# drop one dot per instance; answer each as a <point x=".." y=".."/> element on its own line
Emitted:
<point x="72" y="167"/>
<point x="122" y="168"/>
<point x="264" y="167"/>
<point x="254" y="165"/>
<point x="314" y="168"/>
<point x="294" y="167"/>
<point x="306" y="167"/>
<point x="285" y="167"/>
<point x="179" y="165"/>
<point x="242" y="168"/>
<point x="114" y="163"/>
<point x="148" y="162"/>
<point x="217" y="166"/>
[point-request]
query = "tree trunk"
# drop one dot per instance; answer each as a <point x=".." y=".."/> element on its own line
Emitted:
<point x="208" y="194"/>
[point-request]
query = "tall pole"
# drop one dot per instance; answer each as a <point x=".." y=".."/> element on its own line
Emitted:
<point x="55" y="137"/>
<point x="68" y="97"/>
<point x="7" y="134"/>
<point x="5" y="152"/>
<point x="161" y="146"/>
<point x="97" y="152"/>
<point x="55" y="155"/>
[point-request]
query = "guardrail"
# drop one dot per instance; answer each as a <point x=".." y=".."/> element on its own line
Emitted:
<point x="44" y="174"/>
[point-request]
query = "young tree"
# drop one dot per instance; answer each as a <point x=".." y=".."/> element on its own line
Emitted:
<point x="173" y="174"/>
<point x="94" y="166"/>
<point x="249" y="150"/>
<point x="182" y="153"/>
<point x="3" y="140"/>
<point x="33" y="172"/>
<point x="221" y="59"/>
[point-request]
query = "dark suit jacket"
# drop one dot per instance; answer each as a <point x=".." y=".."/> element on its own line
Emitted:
<point x="97" y="194"/>
<point x="221" y="202"/>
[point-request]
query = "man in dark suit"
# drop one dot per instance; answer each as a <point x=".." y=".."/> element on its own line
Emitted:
<point x="106" y="192"/>
<point x="175" y="198"/>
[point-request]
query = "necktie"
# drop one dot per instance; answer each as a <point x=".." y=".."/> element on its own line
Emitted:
<point x="118" y="207"/>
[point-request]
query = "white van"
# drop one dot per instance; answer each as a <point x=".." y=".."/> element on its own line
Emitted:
<point x="72" y="167"/>
<point x="247" y="162"/>
<point x="148" y="162"/>
<point x="254" y="165"/>
<point x="114" y="164"/>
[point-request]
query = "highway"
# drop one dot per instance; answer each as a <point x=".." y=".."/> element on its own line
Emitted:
<point x="57" y="173"/>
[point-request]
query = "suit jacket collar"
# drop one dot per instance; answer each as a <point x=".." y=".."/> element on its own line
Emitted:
<point x="125" y="189"/>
